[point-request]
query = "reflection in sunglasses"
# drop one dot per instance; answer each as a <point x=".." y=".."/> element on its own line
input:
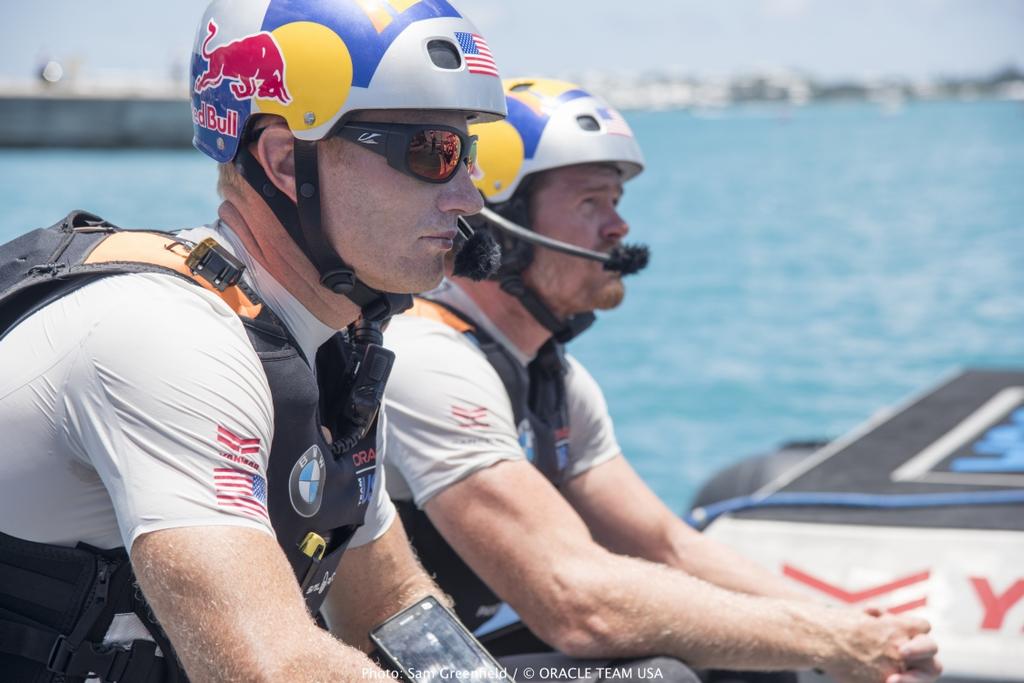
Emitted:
<point x="435" y="154"/>
<point x="431" y="154"/>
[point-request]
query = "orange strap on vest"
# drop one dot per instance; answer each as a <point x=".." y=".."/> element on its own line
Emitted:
<point x="425" y="308"/>
<point x="163" y="250"/>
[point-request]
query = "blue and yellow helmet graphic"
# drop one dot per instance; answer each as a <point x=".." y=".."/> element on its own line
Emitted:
<point x="550" y="124"/>
<point x="312" y="62"/>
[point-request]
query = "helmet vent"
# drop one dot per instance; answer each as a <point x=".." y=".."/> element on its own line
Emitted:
<point x="444" y="54"/>
<point x="520" y="87"/>
<point x="588" y="122"/>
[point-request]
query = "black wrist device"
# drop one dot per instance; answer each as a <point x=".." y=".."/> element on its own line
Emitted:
<point x="427" y="643"/>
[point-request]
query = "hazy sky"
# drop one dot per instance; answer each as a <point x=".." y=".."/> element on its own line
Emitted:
<point x="829" y="38"/>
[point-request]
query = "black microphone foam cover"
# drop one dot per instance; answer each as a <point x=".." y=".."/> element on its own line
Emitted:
<point x="479" y="257"/>
<point x="629" y="258"/>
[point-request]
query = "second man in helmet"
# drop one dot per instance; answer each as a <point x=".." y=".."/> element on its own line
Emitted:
<point x="504" y="462"/>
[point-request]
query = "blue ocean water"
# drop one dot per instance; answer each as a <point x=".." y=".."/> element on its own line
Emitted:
<point x="810" y="266"/>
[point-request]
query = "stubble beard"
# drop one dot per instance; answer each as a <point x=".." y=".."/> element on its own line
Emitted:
<point x="602" y="296"/>
<point x="610" y="295"/>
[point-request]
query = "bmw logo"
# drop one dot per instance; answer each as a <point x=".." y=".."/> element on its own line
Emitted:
<point x="305" y="484"/>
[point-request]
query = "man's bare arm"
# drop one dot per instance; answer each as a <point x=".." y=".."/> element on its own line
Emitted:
<point x="229" y="602"/>
<point x="374" y="582"/>
<point x="525" y="541"/>
<point x="625" y="516"/>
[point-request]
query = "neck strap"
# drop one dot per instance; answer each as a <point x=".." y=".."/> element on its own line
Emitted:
<point x="561" y="330"/>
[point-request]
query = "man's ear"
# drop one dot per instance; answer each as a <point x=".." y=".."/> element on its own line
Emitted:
<point x="275" y="151"/>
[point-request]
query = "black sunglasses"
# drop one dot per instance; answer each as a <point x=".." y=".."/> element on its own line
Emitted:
<point x="431" y="153"/>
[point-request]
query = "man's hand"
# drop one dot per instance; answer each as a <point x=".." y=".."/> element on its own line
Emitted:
<point x="885" y="648"/>
<point x="229" y="603"/>
<point x="375" y="581"/>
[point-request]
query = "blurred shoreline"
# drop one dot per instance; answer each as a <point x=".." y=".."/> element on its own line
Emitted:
<point x="656" y="91"/>
<point x="139" y="110"/>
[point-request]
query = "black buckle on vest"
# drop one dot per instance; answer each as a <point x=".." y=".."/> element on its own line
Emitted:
<point x="215" y="264"/>
<point x="60" y="656"/>
<point x="108" y="663"/>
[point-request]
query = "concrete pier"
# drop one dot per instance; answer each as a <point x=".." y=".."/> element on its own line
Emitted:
<point x="61" y="117"/>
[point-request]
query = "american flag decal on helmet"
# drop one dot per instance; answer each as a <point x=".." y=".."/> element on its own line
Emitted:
<point x="477" y="54"/>
<point x="613" y="122"/>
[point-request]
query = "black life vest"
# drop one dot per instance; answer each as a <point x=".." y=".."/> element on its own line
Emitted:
<point x="56" y="603"/>
<point x="540" y="409"/>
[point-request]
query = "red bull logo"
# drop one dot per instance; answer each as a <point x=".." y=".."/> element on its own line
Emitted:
<point x="207" y="117"/>
<point x="254" y="63"/>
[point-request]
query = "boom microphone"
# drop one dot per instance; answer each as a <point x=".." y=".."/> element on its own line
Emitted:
<point x="626" y="259"/>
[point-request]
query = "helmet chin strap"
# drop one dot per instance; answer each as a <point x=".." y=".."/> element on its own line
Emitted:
<point x="304" y="224"/>
<point x="561" y="330"/>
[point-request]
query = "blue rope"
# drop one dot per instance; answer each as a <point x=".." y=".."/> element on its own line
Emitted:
<point x="701" y="517"/>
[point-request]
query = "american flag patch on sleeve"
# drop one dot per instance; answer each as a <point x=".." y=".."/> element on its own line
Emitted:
<point x="242" y="491"/>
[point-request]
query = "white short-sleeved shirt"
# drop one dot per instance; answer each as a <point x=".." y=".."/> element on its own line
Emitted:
<point x="137" y="403"/>
<point x="450" y="416"/>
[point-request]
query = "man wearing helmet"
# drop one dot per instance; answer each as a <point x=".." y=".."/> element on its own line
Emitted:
<point x="189" y="446"/>
<point x="488" y="414"/>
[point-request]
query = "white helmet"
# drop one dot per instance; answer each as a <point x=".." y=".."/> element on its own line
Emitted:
<point x="550" y="124"/>
<point x="315" y="61"/>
